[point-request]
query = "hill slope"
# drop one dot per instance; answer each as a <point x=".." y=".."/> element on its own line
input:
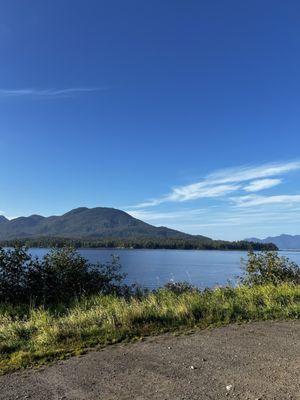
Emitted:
<point x="283" y="242"/>
<point x="83" y="222"/>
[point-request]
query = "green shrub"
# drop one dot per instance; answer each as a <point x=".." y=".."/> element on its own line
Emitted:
<point x="180" y="287"/>
<point x="268" y="267"/>
<point x="60" y="276"/>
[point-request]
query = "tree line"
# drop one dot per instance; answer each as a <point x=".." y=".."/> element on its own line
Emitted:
<point x="140" y="243"/>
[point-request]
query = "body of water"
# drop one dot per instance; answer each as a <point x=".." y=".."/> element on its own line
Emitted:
<point x="154" y="268"/>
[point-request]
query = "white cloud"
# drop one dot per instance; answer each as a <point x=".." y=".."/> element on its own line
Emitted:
<point x="254" y="200"/>
<point x="262" y="184"/>
<point x="223" y="182"/>
<point x="149" y="203"/>
<point x="147" y="215"/>
<point x="46" y="93"/>
<point x="227" y="222"/>
<point x="200" y="190"/>
<point x="242" y="174"/>
<point x="191" y="192"/>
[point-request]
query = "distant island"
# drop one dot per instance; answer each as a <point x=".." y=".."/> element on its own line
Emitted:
<point x="283" y="242"/>
<point x="109" y="228"/>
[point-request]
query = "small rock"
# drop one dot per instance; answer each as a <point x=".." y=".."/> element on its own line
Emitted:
<point x="228" y="387"/>
<point x="169" y="347"/>
<point x="192" y="367"/>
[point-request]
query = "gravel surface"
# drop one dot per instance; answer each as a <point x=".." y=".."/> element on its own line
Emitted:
<point x="251" y="361"/>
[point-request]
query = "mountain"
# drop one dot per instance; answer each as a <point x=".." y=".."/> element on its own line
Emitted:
<point x="84" y="222"/>
<point x="283" y="242"/>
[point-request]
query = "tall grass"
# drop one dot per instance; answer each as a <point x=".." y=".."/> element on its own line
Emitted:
<point x="34" y="336"/>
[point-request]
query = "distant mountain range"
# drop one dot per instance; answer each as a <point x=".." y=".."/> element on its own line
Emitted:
<point x="283" y="242"/>
<point x="100" y="222"/>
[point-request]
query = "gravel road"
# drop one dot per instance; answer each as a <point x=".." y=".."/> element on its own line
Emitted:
<point x="251" y="361"/>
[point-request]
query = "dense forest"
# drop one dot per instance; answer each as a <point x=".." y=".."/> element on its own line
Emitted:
<point x="140" y="243"/>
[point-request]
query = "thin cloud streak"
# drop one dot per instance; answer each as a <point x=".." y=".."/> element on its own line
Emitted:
<point x="198" y="191"/>
<point x="47" y="93"/>
<point x="253" y="200"/>
<point x="190" y="192"/>
<point x="195" y="220"/>
<point x="226" y="181"/>
<point x="243" y="174"/>
<point x="154" y="216"/>
<point x="262" y="184"/>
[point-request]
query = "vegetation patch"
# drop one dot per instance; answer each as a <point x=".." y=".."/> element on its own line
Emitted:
<point x="147" y="242"/>
<point x="34" y="332"/>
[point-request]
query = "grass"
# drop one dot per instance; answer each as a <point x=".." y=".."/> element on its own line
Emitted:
<point x="35" y="336"/>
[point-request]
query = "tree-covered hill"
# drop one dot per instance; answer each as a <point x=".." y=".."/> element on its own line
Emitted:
<point x="100" y="222"/>
<point x="106" y="227"/>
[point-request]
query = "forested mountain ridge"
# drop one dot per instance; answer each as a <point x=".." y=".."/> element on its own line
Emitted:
<point x="99" y="222"/>
<point x="105" y="227"/>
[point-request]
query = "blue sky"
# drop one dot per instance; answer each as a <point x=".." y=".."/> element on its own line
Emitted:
<point x="185" y="114"/>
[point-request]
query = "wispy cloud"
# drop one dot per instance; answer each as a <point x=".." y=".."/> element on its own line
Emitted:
<point x="227" y="222"/>
<point x="48" y="93"/>
<point x="149" y="203"/>
<point x="200" y="190"/>
<point x="190" y="192"/>
<point x="147" y="215"/>
<point x="254" y="200"/>
<point x="226" y="181"/>
<point x="247" y="173"/>
<point x="262" y="184"/>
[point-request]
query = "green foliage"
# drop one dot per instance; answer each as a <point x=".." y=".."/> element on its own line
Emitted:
<point x="39" y="335"/>
<point x="60" y="276"/>
<point x="180" y="287"/>
<point x="268" y="267"/>
<point x="85" y="305"/>
<point x="196" y="243"/>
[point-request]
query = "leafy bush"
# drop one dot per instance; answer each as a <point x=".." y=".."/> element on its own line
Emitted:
<point x="269" y="268"/>
<point x="180" y="287"/>
<point x="60" y="276"/>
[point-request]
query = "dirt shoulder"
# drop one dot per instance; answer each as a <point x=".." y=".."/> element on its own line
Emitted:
<point x="251" y="361"/>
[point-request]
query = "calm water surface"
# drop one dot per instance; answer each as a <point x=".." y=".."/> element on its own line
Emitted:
<point x="153" y="268"/>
